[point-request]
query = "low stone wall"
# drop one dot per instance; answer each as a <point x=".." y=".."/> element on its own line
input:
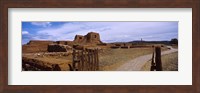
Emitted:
<point x="35" y="46"/>
<point x="38" y="65"/>
<point x="58" y="48"/>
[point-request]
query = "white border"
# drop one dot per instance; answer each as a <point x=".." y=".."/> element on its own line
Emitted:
<point x="181" y="77"/>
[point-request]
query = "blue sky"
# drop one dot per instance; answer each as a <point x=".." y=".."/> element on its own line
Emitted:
<point x="109" y="31"/>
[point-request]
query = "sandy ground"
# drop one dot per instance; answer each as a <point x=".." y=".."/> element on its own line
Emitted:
<point x="137" y="63"/>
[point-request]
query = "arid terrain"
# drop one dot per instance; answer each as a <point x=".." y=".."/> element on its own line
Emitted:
<point x="137" y="63"/>
<point x="119" y="56"/>
<point x="170" y="62"/>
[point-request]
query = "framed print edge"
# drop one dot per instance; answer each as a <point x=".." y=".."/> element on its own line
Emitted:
<point x="184" y="16"/>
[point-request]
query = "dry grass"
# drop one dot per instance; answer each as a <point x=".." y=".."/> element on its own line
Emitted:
<point x="110" y="59"/>
<point x="169" y="63"/>
<point x="175" y="46"/>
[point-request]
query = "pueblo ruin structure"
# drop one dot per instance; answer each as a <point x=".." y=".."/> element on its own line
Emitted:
<point x="90" y="40"/>
<point x="34" y="46"/>
<point x="58" y="48"/>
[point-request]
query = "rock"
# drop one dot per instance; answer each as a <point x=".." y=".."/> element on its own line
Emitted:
<point x="58" y="48"/>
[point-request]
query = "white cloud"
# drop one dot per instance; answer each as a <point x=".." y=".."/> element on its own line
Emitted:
<point x="43" y="24"/>
<point x="68" y="30"/>
<point x="111" y="31"/>
<point x="25" y="32"/>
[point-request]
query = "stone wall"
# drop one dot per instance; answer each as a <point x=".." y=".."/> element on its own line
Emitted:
<point x="36" y="46"/>
<point x="58" y="48"/>
<point x="90" y="38"/>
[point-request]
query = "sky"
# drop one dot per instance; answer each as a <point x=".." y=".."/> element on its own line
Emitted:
<point x="109" y="31"/>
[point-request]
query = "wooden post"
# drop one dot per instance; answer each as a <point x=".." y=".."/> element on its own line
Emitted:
<point x="70" y="67"/>
<point x="97" y="59"/>
<point x="152" y="62"/>
<point x="91" y="61"/>
<point x="93" y="54"/>
<point x="89" y="65"/>
<point x="82" y="60"/>
<point x="78" y="61"/>
<point x="158" y="59"/>
<point x="86" y="60"/>
<point x="73" y="58"/>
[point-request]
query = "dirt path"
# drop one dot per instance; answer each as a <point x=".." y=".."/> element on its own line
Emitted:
<point x="137" y="63"/>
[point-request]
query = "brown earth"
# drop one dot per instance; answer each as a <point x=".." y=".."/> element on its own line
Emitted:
<point x="136" y="64"/>
<point x="48" y="60"/>
<point x="36" y="46"/>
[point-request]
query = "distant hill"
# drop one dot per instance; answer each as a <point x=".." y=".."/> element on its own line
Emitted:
<point x="150" y="42"/>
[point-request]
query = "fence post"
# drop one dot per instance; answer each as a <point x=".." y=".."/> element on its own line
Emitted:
<point x="73" y="58"/>
<point x="89" y="60"/>
<point x="152" y="61"/>
<point x="82" y="60"/>
<point x="85" y="60"/>
<point x="97" y="54"/>
<point x="78" y="61"/>
<point x="158" y="59"/>
<point x="92" y="60"/>
<point x="95" y="58"/>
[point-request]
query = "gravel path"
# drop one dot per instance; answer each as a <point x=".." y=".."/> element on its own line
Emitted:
<point x="137" y="63"/>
